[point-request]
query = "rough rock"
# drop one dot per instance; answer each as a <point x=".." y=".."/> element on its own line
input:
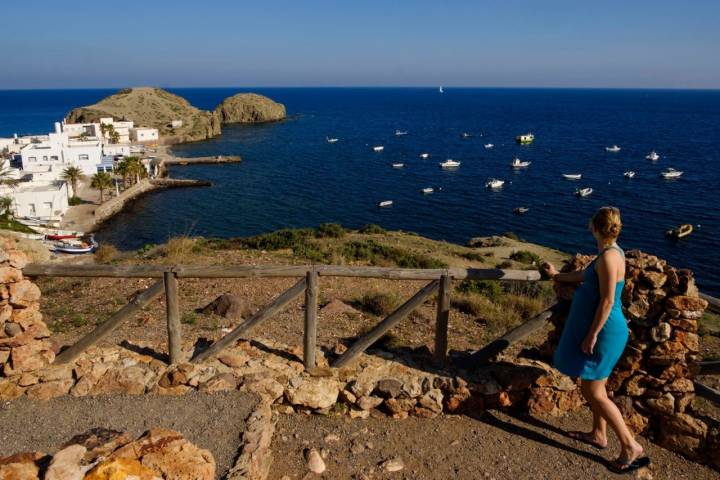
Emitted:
<point x="153" y="107"/>
<point x="121" y="469"/>
<point x="229" y="306"/>
<point x="315" y="462"/>
<point x="393" y="464"/>
<point x="99" y="442"/>
<point x="389" y="387"/>
<point x="249" y="108"/>
<point x="313" y="392"/>
<point x="66" y="464"/>
<point x="21" y="466"/>
<point x="336" y="307"/>
<point x="23" y="294"/>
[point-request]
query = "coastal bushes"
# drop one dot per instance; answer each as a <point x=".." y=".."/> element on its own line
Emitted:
<point x="372" y="229"/>
<point x="73" y="201"/>
<point x="181" y="249"/>
<point x="106" y="253"/>
<point x="378" y="303"/>
<point x="330" y="230"/>
<point x="378" y="254"/>
<point x="525" y="256"/>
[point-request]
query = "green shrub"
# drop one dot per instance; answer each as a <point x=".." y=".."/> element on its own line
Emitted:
<point x="378" y="303"/>
<point x="468" y="304"/>
<point x="491" y="289"/>
<point x="473" y="256"/>
<point x="74" y="201"/>
<point x="376" y="254"/>
<point x="279" y="240"/>
<point x="311" y="251"/>
<point x="330" y="230"/>
<point x="189" y="318"/>
<point x="372" y="229"/>
<point x="145" y="249"/>
<point x="526" y="257"/>
<point x="504" y="264"/>
<point x="709" y="324"/>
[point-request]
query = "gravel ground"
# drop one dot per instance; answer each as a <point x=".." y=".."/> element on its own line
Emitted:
<point x="212" y="421"/>
<point x="495" y="445"/>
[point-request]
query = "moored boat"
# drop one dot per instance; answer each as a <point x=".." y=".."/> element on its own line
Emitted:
<point x="385" y="203"/>
<point x="428" y="190"/>
<point x="378" y="148"/>
<point x="449" y="163"/>
<point x="466" y="135"/>
<point x="521" y="210"/>
<point x="681" y="231"/>
<point x="488" y="146"/>
<point x="494" y="183"/>
<point x="572" y="176"/>
<point x="517" y="163"/>
<point x="583" y="192"/>
<point x="653" y="156"/>
<point x="424" y="155"/>
<point x="398" y="165"/>
<point x="613" y="149"/>
<point x="629" y="174"/>
<point x="331" y="140"/>
<point x="400" y="133"/>
<point x="525" y="138"/>
<point x="671" y="173"/>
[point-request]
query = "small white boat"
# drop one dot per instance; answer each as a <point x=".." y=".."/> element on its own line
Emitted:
<point x="428" y="190"/>
<point x="494" y="183"/>
<point x="583" y="192"/>
<point x="449" y="163"/>
<point x="441" y="89"/>
<point x="653" y="156"/>
<point x="86" y="244"/>
<point x="521" y="210"/>
<point x="488" y="146"/>
<point x="466" y="135"/>
<point x="331" y="140"/>
<point x="572" y="176"/>
<point x="629" y="174"/>
<point x="378" y="148"/>
<point x="424" y="155"/>
<point x="517" y="163"/>
<point x="613" y="149"/>
<point x="400" y="133"/>
<point x="671" y="173"/>
<point x="385" y="203"/>
<point x="525" y="138"/>
<point x="398" y="165"/>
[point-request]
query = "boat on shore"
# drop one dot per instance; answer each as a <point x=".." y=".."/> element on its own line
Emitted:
<point x="671" y="173"/>
<point x="629" y="174"/>
<point x="449" y="163"/>
<point x="525" y="138"/>
<point x="653" y="156"/>
<point x="494" y="183"/>
<point x="85" y="244"/>
<point x="583" y="192"/>
<point x="385" y="203"/>
<point x="400" y="133"/>
<point x="378" y="148"/>
<point x="331" y="140"/>
<point x="680" y="232"/>
<point x="521" y="210"/>
<point x="572" y="176"/>
<point x="517" y="163"/>
<point x="613" y="149"/>
<point x="424" y="155"/>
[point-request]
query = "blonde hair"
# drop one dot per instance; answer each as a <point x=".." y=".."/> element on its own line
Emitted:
<point x="607" y="223"/>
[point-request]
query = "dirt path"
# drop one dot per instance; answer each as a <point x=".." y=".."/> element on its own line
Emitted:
<point x="493" y="446"/>
<point x="213" y="421"/>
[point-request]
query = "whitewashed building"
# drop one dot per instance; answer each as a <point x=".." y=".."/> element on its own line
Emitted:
<point x="144" y="134"/>
<point x="46" y="200"/>
<point x="60" y="151"/>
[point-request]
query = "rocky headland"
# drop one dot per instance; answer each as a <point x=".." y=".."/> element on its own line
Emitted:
<point x="158" y="108"/>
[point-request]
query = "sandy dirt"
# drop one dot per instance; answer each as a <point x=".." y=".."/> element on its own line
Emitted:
<point x="212" y="421"/>
<point x="493" y="446"/>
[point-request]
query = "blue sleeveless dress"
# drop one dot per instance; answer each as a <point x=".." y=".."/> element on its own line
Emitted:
<point x="569" y="358"/>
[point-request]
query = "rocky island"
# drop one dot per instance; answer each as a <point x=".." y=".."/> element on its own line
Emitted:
<point x="175" y="118"/>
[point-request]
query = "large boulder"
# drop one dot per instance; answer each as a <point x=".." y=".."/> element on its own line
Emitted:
<point x="249" y="108"/>
<point x="153" y="107"/>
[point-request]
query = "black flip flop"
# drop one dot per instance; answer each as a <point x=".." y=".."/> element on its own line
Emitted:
<point x="636" y="464"/>
<point x="582" y="437"/>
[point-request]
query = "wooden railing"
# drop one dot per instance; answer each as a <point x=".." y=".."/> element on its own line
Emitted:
<point x="168" y="275"/>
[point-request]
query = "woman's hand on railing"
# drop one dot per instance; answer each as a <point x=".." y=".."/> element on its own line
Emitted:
<point x="548" y="270"/>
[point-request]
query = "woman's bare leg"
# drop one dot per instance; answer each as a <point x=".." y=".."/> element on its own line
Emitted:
<point x="598" y="434"/>
<point x="607" y="409"/>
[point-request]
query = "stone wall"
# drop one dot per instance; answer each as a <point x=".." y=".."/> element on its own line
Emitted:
<point x="653" y="381"/>
<point x="115" y="204"/>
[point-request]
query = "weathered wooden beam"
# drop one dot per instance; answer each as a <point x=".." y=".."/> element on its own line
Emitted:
<point x="498" y="345"/>
<point x="311" y="307"/>
<point x="244" y="271"/>
<point x="713" y="303"/>
<point x="710" y="367"/>
<point x="709" y="393"/>
<point x="374" y="335"/>
<point x="116" y="271"/>
<point x="174" y="328"/>
<point x="105" y="328"/>
<point x="442" y="320"/>
<point x="266" y="312"/>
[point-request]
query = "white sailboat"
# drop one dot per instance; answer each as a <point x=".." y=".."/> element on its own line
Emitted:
<point x="629" y="174"/>
<point x="400" y="133"/>
<point x="572" y="176"/>
<point x="494" y="183"/>
<point x="378" y="148"/>
<point x="613" y="149"/>
<point x="398" y="165"/>
<point x="488" y="146"/>
<point x="653" y="156"/>
<point x="441" y="89"/>
<point x="424" y="155"/>
<point x="583" y="192"/>
<point x="521" y="210"/>
<point x="671" y="173"/>
<point x="331" y="139"/>
<point x="449" y="163"/>
<point x="517" y="163"/>
<point x="428" y="190"/>
<point x="385" y="203"/>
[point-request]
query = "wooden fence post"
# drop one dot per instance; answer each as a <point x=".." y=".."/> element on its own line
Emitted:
<point x="441" y="321"/>
<point x="172" y="307"/>
<point x="311" y="305"/>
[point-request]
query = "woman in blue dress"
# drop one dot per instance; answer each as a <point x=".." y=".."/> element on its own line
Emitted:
<point x="595" y="335"/>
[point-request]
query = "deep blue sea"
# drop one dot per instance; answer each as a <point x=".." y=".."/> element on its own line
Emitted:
<point x="291" y="177"/>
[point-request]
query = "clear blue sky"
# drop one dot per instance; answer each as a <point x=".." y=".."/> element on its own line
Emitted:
<point x="181" y="43"/>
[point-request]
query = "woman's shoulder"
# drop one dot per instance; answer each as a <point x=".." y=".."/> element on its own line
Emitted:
<point x="611" y="255"/>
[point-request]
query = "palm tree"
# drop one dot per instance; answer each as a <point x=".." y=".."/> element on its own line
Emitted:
<point x="6" y="204"/>
<point x="73" y="175"/>
<point x="101" y="181"/>
<point x="123" y="169"/>
<point x="5" y="172"/>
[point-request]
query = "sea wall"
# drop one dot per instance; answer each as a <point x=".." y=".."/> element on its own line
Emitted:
<point x="116" y="204"/>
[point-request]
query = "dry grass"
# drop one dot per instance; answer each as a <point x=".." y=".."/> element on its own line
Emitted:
<point x="106" y="253"/>
<point x="181" y="249"/>
<point x="378" y="303"/>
